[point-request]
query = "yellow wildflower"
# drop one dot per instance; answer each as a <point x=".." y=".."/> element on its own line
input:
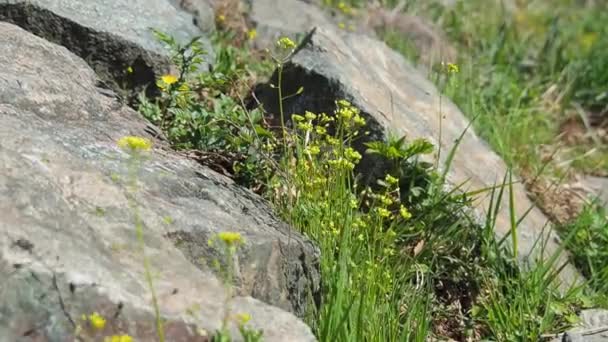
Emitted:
<point x="359" y="120"/>
<point x="251" y="34"/>
<point x="391" y="180"/>
<point x="351" y="154"/>
<point x="286" y="43"/>
<point x="451" y="68"/>
<point x="129" y="70"/>
<point x="386" y="200"/>
<point x="343" y="103"/>
<point x="119" y="338"/>
<point x="97" y="321"/>
<point x="169" y="79"/>
<point x="310" y="116"/>
<point x="305" y="126"/>
<point x="133" y="143"/>
<point x="383" y="212"/>
<point x="313" y="150"/>
<point x="230" y="238"/>
<point x="243" y="318"/>
<point x="405" y="213"/>
<point x="221" y="18"/>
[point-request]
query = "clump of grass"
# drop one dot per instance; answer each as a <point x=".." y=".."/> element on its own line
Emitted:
<point x="590" y="238"/>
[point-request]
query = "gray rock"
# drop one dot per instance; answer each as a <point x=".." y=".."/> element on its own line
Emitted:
<point x="110" y="35"/>
<point x="598" y="187"/>
<point x="394" y="96"/>
<point x="274" y="19"/>
<point x="202" y="11"/>
<point x="592" y="328"/>
<point x="68" y="246"/>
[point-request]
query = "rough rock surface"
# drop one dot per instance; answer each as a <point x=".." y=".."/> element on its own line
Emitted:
<point x="67" y="241"/>
<point x="111" y="35"/>
<point x="277" y="18"/>
<point x="202" y="11"/>
<point x="592" y="328"/>
<point x="598" y="187"/>
<point x="395" y="97"/>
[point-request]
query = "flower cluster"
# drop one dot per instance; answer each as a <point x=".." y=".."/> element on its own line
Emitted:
<point x="286" y="43"/>
<point x="134" y="144"/>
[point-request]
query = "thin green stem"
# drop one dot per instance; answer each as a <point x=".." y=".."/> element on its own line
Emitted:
<point x="139" y="230"/>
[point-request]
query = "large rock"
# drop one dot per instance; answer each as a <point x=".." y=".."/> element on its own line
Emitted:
<point x="394" y="96"/>
<point x="67" y="241"/>
<point x="274" y="19"/>
<point x="111" y="35"/>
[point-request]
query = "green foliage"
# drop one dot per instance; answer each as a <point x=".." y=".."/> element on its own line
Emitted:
<point x="590" y="72"/>
<point x="589" y="243"/>
<point x="195" y="111"/>
<point x="402" y="258"/>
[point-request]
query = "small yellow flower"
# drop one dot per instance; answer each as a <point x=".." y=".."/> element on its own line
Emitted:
<point x="119" y="338"/>
<point x="384" y="213"/>
<point x="359" y="120"/>
<point x="391" y="180"/>
<point x="243" y="318"/>
<point x="133" y="143"/>
<point x="321" y="130"/>
<point x="313" y="150"/>
<point x="286" y="43"/>
<point x="451" y="68"/>
<point x="130" y="70"/>
<point x="386" y="200"/>
<point x="310" y="116"/>
<point x="97" y="321"/>
<point x="351" y="154"/>
<point x="252" y="34"/>
<point x="305" y="126"/>
<point x="344" y="103"/>
<point x="230" y="238"/>
<point x="169" y="79"/>
<point x="221" y="18"/>
<point x="405" y="213"/>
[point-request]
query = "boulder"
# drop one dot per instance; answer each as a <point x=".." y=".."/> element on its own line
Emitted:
<point x="395" y="97"/>
<point x="111" y="35"/>
<point x="68" y="245"/>
<point x="274" y="19"/>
